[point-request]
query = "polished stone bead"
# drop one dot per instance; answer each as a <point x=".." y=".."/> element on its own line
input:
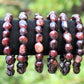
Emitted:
<point x="52" y="53"/>
<point x="39" y="37"/>
<point x="53" y="44"/>
<point x="23" y="16"/>
<point x="10" y="67"/>
<point x="23" y="31"/>
<point x="75" y="16"/>
<point x="76" y="64"/>
<point x="76" y="70"/>
<point x="53" y="26"/>
<point x="66" y="70"/>
<point x="68" y="56"/>
<point x="62" y="15"/>
<point x="78" y="20"/>
<point x="67" y="63"/>
<point x="63" y="19"/>
<point x="5" y="41"/>
<point x="10" y="73"/>
<point x="39" y="57"/>
<point x="7" y="25"/>
<point x="6" y="33"/>
<point x="7" y="50"/>
<point x="61" y="64"/>
<point x="68" y="47"/>
<point x="80" y="52"/>
<point x="22" y="49"/>
<point x="21" y="58"/>
<point x="39" y="47"/>
<point x="67" y="36"/>
<point x="23" y="39"/>
<point x="21" y="71"/>
<point x="53" y="18"/>
<point x="37" y="17"/>
<point x="79" y="43"/>
<point x="79" y="27"/>
<point x="53" y="34"/>
<point x="22" y="24"/>
<point x="38" y="29"/>
<point x="39" y="22"/>
<point x="64" y="25"/>
<point x="78" y="59"/>
<point x="79" y="35"/>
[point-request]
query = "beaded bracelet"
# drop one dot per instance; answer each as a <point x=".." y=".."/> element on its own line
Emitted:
<point x="38" y="45"/>
<point x="79" y="43"/>
<point x="10" y="59"/>
<point x="52" y="62"/>
<point x="22" y="57"/>
<point x="68" y="47"/>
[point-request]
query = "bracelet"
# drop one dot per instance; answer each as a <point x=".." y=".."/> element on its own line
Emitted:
<point x="68" y="47"/>
<point x="79" y="36"/>
<point x="22" y="57"/>
<point x="10" y="59"/>
<point x="52" y="62"/>
<point x="38" y="45"/>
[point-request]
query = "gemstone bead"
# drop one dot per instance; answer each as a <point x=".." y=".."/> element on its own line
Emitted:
<point x="76" y="70"/>
<point x="78" y="59"/>
<point x="79" y="43"/>
<point x="62" y="15"/>
<point x="79" y="35"/>
<point x="64" y="25"/>
<point x="79" y="27"/>
<point x="37" y="17"/>
<point x="23" y="31"/>
<point x="23" y="39"/>
<point x="22" y="24"/>
<point x="39" y="22"/>
<point x="39" y="57"/>
<point x="53" y="34"/>
<point x="53" y="26"/>
<point x="53" y="18"/>
<point x="10" y="73"/>
<point x="53" y="53"/>
<point x="68" y="56"/>
<point x="68" y="47"/>
<point x="6" y="33"/>
<point x="75" y="16"/>
<point x="80" y="52"/>
<point x="38" y="29"/>
<point x="39" y="47"/>
<point x="39" y="37"/>
<point x="21" y="71"/>
<point x="10" y="67"/>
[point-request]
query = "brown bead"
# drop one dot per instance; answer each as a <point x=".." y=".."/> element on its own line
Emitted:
<point x="23" y="16"/>
<point x="23" y="31"/>
<point x="7" y="50"/>
<point x="53" y="17"/>
<point x="53" y="34"/>
<point x="68" y="47"/>
<point x="68" y="56"/>
<point x="80" y="52"/>
<point x="79" y="35"/>
<point x="62" y="15"/>
<point x="38" y="29"/>
<point x="79" y="27"/>
<point x="5" y="41"/>
<point x="67" y="36"/>
<point x="78" y="59"/>
<point x="23" y="39"/>
<point x="39" y="47"/>
<point x="6" y="33"/>
<point x="53" y="53"/>
<point x="21" y="58"/>
<point x="39" y="37"/>
<point x="53" y="26"/>
<point x="7" y="25"/>
<point x="39" y="22"/>
<point x="53" y="44"/>
<point x="22" y="24"/>
<point x="22" y="49"/>
<point x="39" y="57"/>
<point x="79" y="43"/>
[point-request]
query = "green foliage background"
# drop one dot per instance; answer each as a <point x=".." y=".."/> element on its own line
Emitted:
<point x="43" y="7"/>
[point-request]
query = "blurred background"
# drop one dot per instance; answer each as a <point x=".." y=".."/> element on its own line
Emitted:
<point x="43" y="7"/>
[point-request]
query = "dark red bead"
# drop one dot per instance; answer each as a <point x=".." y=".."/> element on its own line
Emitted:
<point x="7" y="25"/>
<point x="79" y="35"/>
<point x="10" y="73"/>
<point x="79" y="43"/>
<point x="39" y="37"/>
<point x="79" y="27"/>
<point x="68" y="47"/>
<point x="39" y="22"/>
<point x="78" y="59"/>
<point x="23" y="31"/>
<point x="21" y="58"/>
<point x="80" y="52"/>
<point x="23" y="16"/>
<point x="53" y="34"/>
<point x="63" y="19"/>
<point x="39" y="57"/>
<point x="22" y="24"/>
<point x="5" y="41"/>
<point x="67" y="63"/>
<point x="53" y="26"/>
<point x="10" y="67"/>
<point x="53" y="44"/>
<point x="38" y="29"/>
<point x="22" y="49"/>
<point x="67" y="36"/>
<point x="62" y="15"/>
<point x="23" y="39"/>
<point x="68" y="56"/>
<point x="37" y="17"/>
<point x="53" y="53"/>
<point x="76" y="70"/>
<point x="21" y="71"/>
<point x="75" y="16"/>
<point x="64" y="25"/>
<point x="7" y="50"/>
<point x="6" y="33"/>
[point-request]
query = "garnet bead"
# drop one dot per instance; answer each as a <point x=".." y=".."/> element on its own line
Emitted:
<point x="23" y="39"/>
<point x="62" y="15"/>
<point x="79" y="43"/>
<point x="64" y="25"/>
<point x="79" y="27"/>
<point x="10" y="67"/>
<point x="39" y="47"/>
<point x="6" y="33"/>
<point x="23" y="31"/>
<point x="39" y="37"/>
<point x="22" y="24"/>
<point x="79" y="35"/>
<point x="39" y="22"/>
<point x="21" y="71"/>
<point x="78" y="59"/>
<point x="38" y="29"/>
<point x="10" y="73"/>
<point x="68" y="47"/>
<point x="39" y="57"/>
<point x="53" y="26"/>
<point x="68" y="56"/>
<point x="53" y="34"/>
<point x="80" y="52"/>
